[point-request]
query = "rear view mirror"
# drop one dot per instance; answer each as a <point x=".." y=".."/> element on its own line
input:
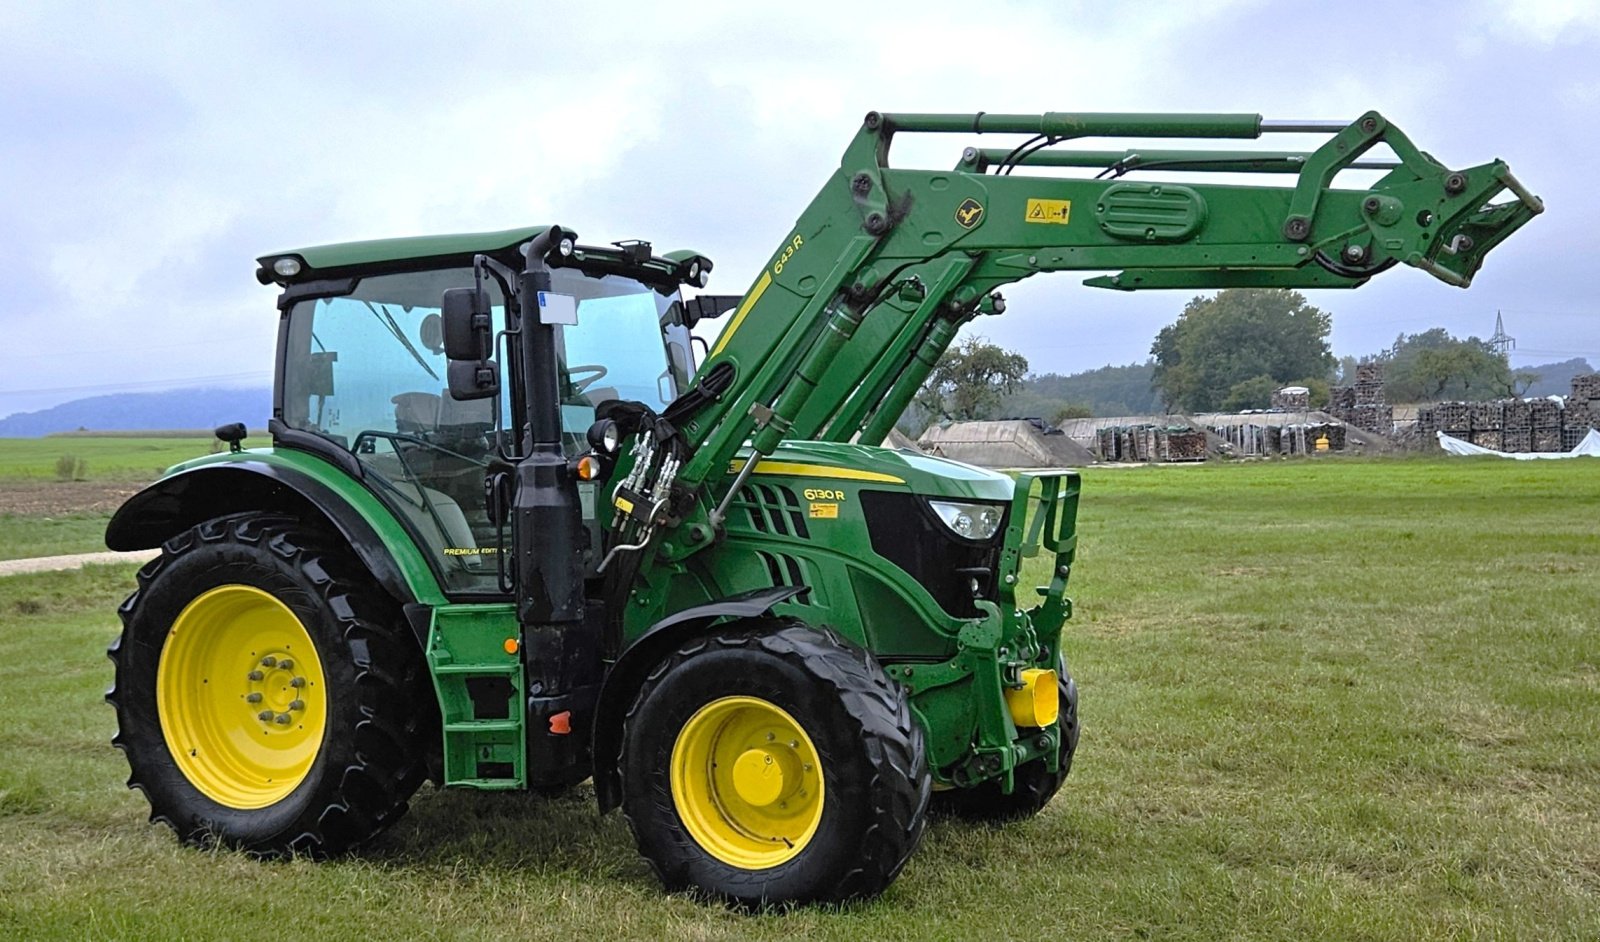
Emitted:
<point x="474" y="379"/>
<point x="468" y="329"/>
<point x="708" y="306"/>
<point x="469" y="343"/>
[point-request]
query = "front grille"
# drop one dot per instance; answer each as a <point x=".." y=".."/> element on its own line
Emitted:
<point x="786" y="570"/>
<point x="905" y="531"/>
<point x="774" y="509"/>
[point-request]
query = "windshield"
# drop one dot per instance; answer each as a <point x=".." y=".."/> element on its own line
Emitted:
<point x="366" y="371"/>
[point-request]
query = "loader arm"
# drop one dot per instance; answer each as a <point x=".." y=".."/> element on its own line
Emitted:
<point x="880" y="271"/>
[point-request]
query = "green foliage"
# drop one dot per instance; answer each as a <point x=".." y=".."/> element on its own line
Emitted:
<point x="1319" y="388"/>
<point x="1107" y="391"/>
<point x="72" y="468"/>
<point x="1067" y="411"/>
<point x="1219" y="342"/>
<point x="1253" y="393"/>
<point x="1433" y="366"/>
<point x="971" y="379"/>
<point x="1322" y="700"/>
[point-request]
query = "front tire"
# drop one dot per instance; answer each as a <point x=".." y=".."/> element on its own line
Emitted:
<point x="771" y="763"/>
<point x="266" y="697"/>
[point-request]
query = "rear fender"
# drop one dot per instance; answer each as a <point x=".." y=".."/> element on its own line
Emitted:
<point x="257" y="483"/>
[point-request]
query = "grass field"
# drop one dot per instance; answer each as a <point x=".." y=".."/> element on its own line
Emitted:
<point x="1321" y="700"/>
<point x="109" y="458"/>
<point x="42" y="514"/>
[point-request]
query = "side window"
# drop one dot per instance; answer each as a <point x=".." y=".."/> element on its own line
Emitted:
<point x="368" y="372"/>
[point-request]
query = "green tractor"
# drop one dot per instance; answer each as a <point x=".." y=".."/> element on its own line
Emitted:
<point x="511" y="532"/>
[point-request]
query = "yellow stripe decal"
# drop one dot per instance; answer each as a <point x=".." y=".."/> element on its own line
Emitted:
<point x="738" y="318"/>
<point x="816" y="471"/>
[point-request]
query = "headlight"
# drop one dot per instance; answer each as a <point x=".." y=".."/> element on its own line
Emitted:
<point x="604" y="436"/>
<point x="969" y="521"/>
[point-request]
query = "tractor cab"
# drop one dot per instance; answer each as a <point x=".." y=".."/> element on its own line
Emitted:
<point x="363" y="371"/>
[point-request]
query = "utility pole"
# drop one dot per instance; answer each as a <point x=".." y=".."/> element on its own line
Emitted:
<point x="1502" y="343"/>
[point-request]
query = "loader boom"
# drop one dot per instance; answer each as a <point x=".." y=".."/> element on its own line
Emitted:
<point x="880" y="271"/>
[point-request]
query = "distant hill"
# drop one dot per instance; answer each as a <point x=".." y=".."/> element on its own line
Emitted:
<point x="1555" y="379"/>
<point x="119" y="412"/>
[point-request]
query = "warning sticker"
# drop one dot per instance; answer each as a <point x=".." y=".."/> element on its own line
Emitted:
<point x="1056" y="211"/>
<point x="824" y="511"/>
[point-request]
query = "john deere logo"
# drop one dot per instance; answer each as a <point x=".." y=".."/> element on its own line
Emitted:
<point x="969" y="213"/>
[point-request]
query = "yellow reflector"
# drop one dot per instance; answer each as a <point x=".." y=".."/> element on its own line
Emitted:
<point x="588" y="468"/>
<point x="1037" y="701"/>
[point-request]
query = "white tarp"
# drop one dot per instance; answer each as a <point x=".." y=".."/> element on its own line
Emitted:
<point x="1590" y="446"/>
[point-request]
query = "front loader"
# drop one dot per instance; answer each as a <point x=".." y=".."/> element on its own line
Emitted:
<point x="509" y="535"/>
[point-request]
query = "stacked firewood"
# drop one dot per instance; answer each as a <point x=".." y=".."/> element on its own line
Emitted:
<point x="1363" y="404"/>
<point x="1151" y="443"/>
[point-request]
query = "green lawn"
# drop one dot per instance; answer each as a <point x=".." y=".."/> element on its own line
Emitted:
<point x="23" y="536"/>
<point x="105" y="458"/>
<point x="1321" y="700"/>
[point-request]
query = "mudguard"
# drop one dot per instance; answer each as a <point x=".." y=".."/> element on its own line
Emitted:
<point x="257" y="483"/>
<point x="627" y="674"/>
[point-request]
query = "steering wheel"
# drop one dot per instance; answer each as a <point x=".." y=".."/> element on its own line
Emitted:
<point x="583" y="384"/>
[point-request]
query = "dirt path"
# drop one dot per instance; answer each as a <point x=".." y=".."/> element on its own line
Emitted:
<point x="12" y="567"/>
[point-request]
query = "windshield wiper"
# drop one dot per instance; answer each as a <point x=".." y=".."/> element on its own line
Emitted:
<point x="387" y="320"/>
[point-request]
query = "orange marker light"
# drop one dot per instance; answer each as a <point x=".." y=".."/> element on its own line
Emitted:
<point x="561" y="723"/>
<point x="588" y="468"/>
<point x="511" y="645"/>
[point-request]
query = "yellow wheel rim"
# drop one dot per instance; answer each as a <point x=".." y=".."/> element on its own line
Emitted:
<point x="241" y="697"/>
<point x="747" y="782"/>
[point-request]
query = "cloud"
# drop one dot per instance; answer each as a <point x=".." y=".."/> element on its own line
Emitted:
<point x="147" y="156"/>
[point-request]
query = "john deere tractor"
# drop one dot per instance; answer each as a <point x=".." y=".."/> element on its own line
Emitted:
<point x="511" y="532"/>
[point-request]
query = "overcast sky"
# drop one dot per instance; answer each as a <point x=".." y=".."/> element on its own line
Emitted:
<point x="149" y="152"/>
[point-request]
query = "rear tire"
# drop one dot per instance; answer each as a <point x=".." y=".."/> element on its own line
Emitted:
<point x="267" y="697"/>
<point x="1034" y="784"/>
<point x="771" y="763"/>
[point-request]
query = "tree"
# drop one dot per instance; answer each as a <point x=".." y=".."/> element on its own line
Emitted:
<point x="1253" y="393"/>
<point x="1433" y="365"/>
<point x="1070" y="410"/>
<point x="1237" y="336"/>
<point x="971" y="379"/>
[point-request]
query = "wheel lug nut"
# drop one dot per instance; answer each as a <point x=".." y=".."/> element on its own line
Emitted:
<point x="256" y="675"/>
<point x="264" y="716"/>
<point x="253" y="698"/>
<point x="269" y="661"/>
<point x="285" y="719"/>
<point x="297" y="682"/>
<point x="794" y="744"/>
<point x="771" y="737"/>
<point x="286" y="664"/>
<point x="297" y="704"/>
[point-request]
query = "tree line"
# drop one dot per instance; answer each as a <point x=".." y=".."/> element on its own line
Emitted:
<point x="1224" y="353"/>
